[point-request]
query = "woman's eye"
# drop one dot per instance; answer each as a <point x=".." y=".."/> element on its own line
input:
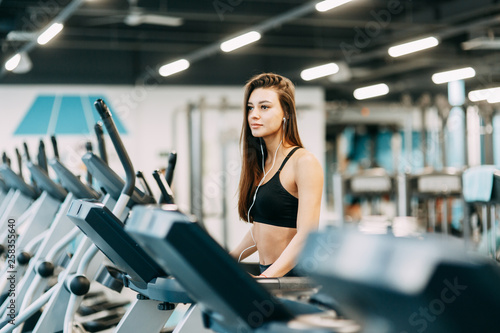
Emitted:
<point x="265" y="107"/>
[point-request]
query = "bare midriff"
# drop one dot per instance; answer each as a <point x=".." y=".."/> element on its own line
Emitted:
<point x="271" y="240"/>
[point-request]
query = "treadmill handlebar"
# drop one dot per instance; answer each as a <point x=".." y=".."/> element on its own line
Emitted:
<point x="98" y="129"/>
<point x="103" y="110"/>
<point x="105" y="114"/>
<point x="169" y="174"/>
<point x="42" y="157"/>
<point x="100" y="142"/>
<point x="19" y="163"/>
<point x="144" y="183"/>
<point x="54" y="146"/>
<point x="287" y="284"/>
<point x="27" y="152"/>
<point x="5" y="159"/>
<point x="88" y="147"/>
<point x="167" y="196"/>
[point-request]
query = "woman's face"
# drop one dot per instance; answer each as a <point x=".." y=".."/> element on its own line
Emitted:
<point x="264" y="112"/>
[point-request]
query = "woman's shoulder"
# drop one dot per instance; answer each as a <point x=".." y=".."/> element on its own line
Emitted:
<point x="304" y="159"/>
<point x="303" y="154"/>
<point x="308" y="170"/>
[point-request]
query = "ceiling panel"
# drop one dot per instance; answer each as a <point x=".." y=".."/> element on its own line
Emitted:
<point x="97" y="46"/>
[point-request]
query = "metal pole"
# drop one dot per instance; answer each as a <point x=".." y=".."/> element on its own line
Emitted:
<point x="431" y="204"/>
<point x="195" y="137"/>
<point x="484" y="220"/>
<point x="493" y="231"/>
<point x="444" y="216"/>
<point x="488" y="139"/>
<point x="442" y="140"/>
<point x="423" y="136"/>
<point x="338" y="197"/>
<point x="466" y="223"/>
<point x="402" y="192"/>
<point x="225" y="222"/>
<point x="224" y="142"/>
<point x="466" y="137"/>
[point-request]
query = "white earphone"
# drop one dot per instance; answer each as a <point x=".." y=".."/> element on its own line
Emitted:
<point x="260" y="183"/>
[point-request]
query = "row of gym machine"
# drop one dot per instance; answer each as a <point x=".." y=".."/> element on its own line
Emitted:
<point x="419" y="253"/>
<point x="125" y="238"/>
<point x="438" y="178"/>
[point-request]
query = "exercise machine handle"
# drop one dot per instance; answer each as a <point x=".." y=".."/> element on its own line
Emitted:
<point x="166" y="192"/>
<point x="107" y="120"/>
<point x="144" y="183"/>
<point x="88" y="147"/>
<point x="42" y="157"/>
<point x="5" y="159"/>
<point x="100" y="142"/>
<point x="169" y="173"/>
<point x="28" y="159"/>
<point x="27" y="152"/>
<point x="54" y="146"/>
<point x="19" y="163"/>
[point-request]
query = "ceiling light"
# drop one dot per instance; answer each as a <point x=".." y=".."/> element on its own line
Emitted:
<point x="237" y="42"/>
<point x="371" y="91"/>
<point x="25" y="64"/>
<point x="325" y="5"/>
<point x="20" y="36"/>
<point x="319" y="71"/>
<point x="415" y="46"/>
<point x="494" y="97"/>
<point x="50" y="33"/>
<point x="454" y="75"/>
<point x="344" y="73"/>
<point x="12" y="63"/>
<point x="174" y="67"/>
<point x="19" y="63"/>
<point x="481" y="43"/>
<point x="483" y="94"/>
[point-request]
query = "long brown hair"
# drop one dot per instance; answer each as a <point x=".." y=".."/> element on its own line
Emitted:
<point x="251" y="168"/>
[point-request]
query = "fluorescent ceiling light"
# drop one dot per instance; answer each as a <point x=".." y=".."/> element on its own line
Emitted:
<point x="50" y="33"/>
<point x="19" y="63"/>
<point x="415" y="46"/>
<point x="325" y="5"/>
<point x="493" y="99"/>
<point x="319" y="71"/>
<point x="237" y="42"/>
<point x="483" y="94"/>
<point x="454" y="75"/>
<point x="371" y="91"/>
<point x="493" y="96"/>
<point x="174" y="67"/>
<point x="12" y="63"/>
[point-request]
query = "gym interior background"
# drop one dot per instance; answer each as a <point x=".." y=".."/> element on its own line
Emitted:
<point x="115" y="49"/>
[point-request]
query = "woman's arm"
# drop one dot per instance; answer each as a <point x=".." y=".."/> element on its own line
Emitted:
<point x="245" y="248"/>
<point x="309" y="180"/>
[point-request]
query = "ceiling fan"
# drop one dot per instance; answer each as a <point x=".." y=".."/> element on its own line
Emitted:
<point x="136" y="16"/>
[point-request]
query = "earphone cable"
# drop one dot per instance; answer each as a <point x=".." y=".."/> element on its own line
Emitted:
<point x="260" y="183"/>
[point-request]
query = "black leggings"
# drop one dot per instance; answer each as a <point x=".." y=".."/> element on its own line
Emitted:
<point x="293" y="272"/>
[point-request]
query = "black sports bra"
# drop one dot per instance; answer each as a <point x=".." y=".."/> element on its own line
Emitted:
<point x="274" y="205"/>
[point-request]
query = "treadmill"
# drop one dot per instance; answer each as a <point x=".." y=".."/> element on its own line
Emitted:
<point x="230" y="299"/>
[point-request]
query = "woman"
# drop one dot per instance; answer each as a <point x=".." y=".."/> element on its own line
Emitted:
<point x="281" y="183"/>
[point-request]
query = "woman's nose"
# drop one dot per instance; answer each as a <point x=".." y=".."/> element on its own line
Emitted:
<point x="254" y="114"/>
